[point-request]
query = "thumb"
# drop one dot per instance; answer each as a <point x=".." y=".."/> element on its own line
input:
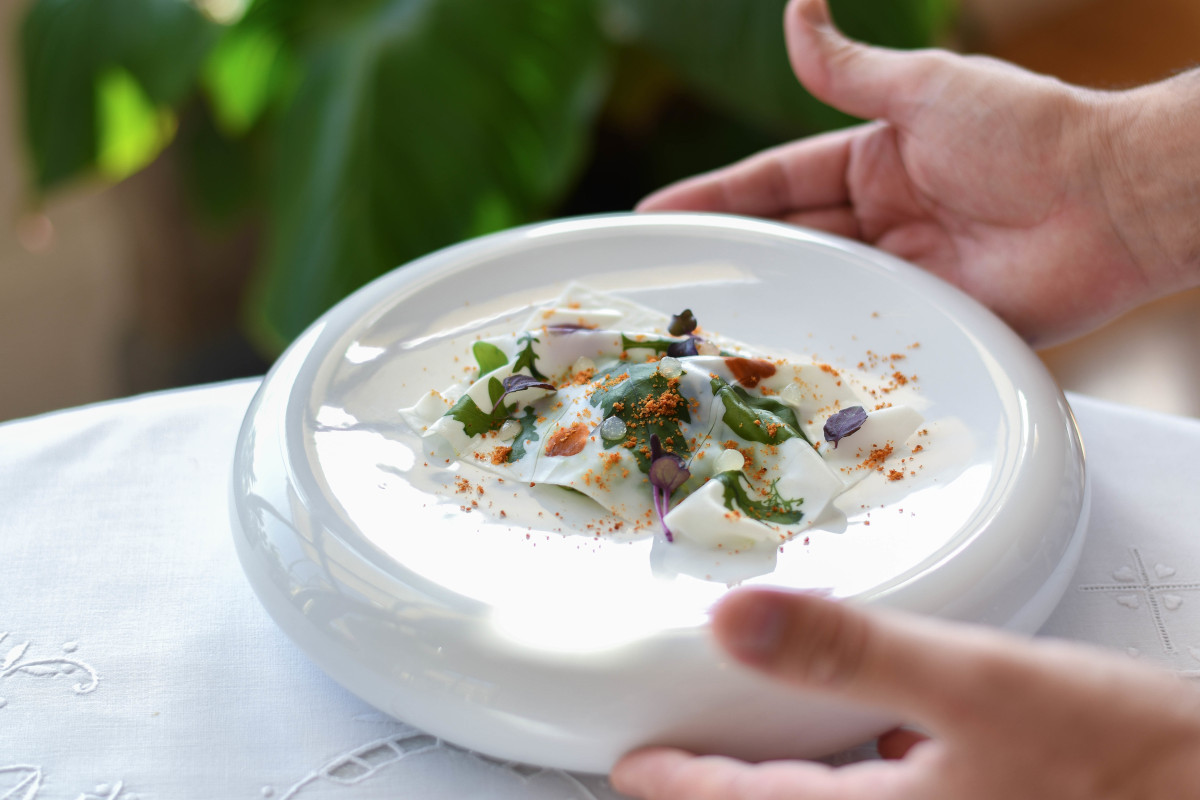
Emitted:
<point x="935" y="673"/>
<point x="865" y="81"/>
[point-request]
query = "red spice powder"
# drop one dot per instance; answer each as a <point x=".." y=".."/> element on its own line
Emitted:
<point x="749" y="371"/>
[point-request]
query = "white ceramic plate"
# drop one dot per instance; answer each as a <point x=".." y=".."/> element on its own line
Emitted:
<point x="528" y="637"/>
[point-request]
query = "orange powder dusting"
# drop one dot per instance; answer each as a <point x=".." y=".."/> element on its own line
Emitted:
<point x="610" y="460"/>
<point x="662" y="406"/>
<point x="918" y="448"/>
<point x="876" y="458"/>
<point x="899" y="378"/>
<point x="500" y="454"/>
<point x="567" y="441"/>
<point x="580" y="378"/>
<point x="895" y="475"/>
<point x="611" y="381"/>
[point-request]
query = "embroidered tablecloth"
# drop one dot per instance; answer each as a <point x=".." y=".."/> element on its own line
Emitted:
<point x="135" y="662"/>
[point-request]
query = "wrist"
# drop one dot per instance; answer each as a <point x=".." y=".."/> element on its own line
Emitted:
<point x="1148" y="157"/>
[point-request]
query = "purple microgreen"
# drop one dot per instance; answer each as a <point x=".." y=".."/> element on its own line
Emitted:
<point x="844" y="423"/>
<point x="567" y="327"/>
<point x="682" y="323"/>
<point x="667" y="473"/>
<point x="685" y="347"/>
<point x="656" y="449"/>
<point x="516" y="383"/>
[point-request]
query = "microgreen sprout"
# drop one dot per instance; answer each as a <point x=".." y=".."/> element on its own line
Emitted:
<point x="516" y="383"/>
<point x="684" y="347"/>
<point x="844" y="423"/>
<point x="681" y="323"/>
<point x="667" y="473"/>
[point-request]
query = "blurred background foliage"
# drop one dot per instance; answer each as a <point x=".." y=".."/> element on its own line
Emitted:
<point x="357" y="135"/>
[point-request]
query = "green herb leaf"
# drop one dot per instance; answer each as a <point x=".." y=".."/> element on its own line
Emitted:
<point x="657" y="345"/>
<point x="489" y="356"/>
<point x="756" y="419"/>
<point x="474" y="420"/>
<point x="649" y="405"/>
<point x="528" y="434"/>
<point x="527" y="356"/>
<point x="775" y="508"/>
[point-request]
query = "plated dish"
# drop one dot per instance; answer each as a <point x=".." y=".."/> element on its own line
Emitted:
<point x="563" y="628"/>
<point x="666" y="426"/>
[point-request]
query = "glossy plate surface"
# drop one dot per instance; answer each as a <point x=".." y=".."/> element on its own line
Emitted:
<point x="528" y="636"/>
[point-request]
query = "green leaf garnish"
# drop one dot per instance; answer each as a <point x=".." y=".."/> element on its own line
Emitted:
<point x="489" y="357"/>
<point x="649" y="405"/>
<point x="527" y="356"/>
<point x="774" y="508"/>
<point x="473" y="419"/>
<point x="528" y="433"/>
<point x="657" y="345"/>
<point x="756" y="419"/>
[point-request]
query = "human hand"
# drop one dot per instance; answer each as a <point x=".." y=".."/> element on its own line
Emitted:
<point x="1036" y="720"/>
<point x="1057" y="207"/>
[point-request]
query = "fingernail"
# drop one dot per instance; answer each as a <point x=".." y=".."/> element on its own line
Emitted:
<point x="815" y="13"/>
<point x="759" y="634"/>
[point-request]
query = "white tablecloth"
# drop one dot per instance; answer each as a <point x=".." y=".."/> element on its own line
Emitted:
<point x="135" y="662"/>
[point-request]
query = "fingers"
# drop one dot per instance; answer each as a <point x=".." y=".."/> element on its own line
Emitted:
<point x="937" y="674"/>
<point x="662" y="773"/>
<point x="804" y="175"/>
<point x="896" y="743"/>
<point x="841" y="221"/>
<point x="868" y="82"/>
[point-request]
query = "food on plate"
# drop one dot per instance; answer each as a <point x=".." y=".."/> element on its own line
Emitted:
<point x="664" y="424"/>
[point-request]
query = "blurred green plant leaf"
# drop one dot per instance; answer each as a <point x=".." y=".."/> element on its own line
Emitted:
<point x="76" y="54"/>
<point x="422" y="124"/>
<point x="732" y="52"/>
<point x="222" y="175"/>
<point x="244" y="73"/>
<point x="132" y="129"/>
